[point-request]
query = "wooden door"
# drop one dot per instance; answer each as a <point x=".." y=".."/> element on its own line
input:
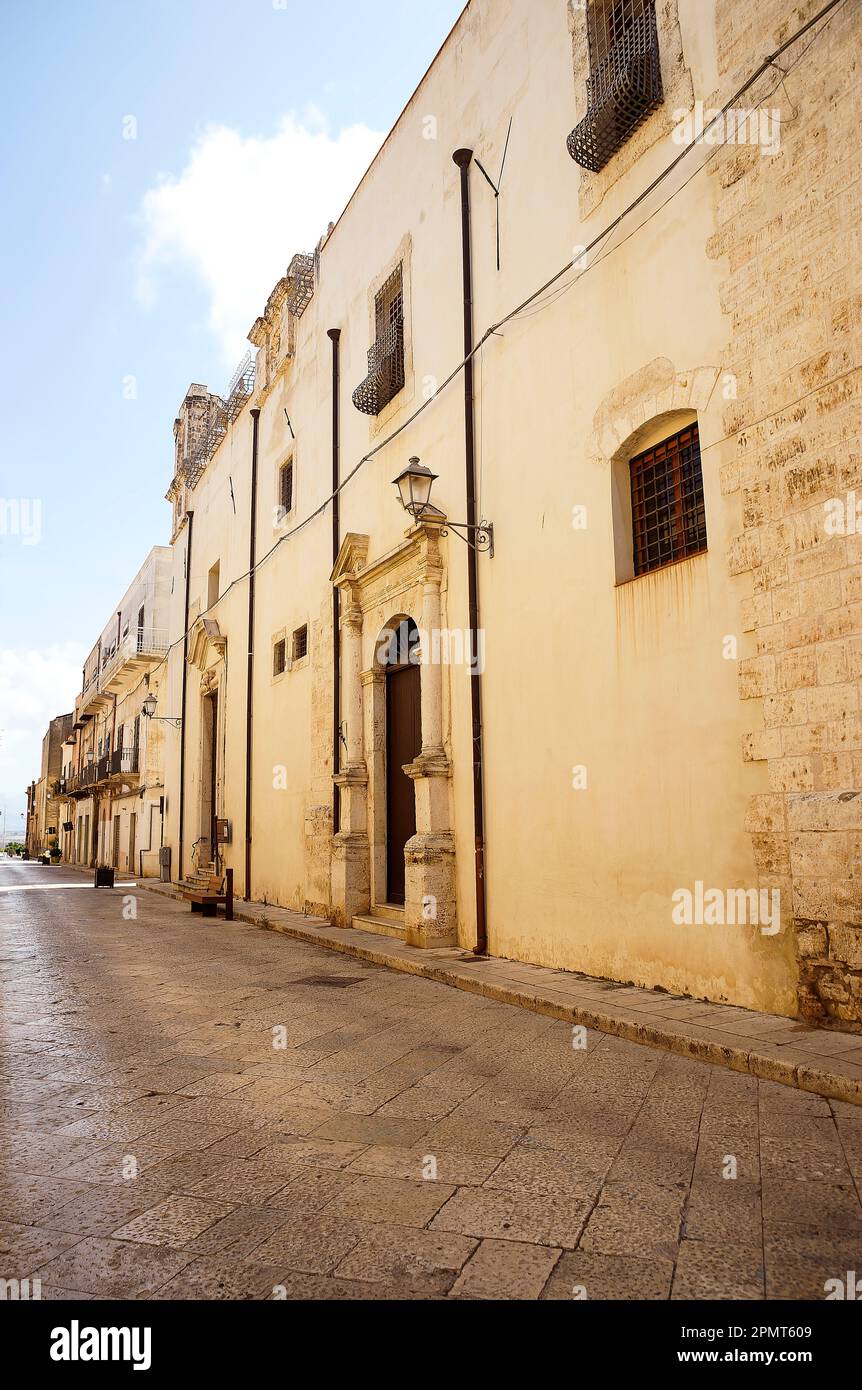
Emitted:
<point x="115" y="856"/>
<point x="213" y="806"/>
<point x="403" y="745"/>
<point x="133" y="829"/>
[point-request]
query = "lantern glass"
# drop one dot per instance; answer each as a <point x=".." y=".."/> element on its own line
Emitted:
<point x="414" y="487"/>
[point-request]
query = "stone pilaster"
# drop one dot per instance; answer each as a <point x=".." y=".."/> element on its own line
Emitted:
<point x="351" y="890"/>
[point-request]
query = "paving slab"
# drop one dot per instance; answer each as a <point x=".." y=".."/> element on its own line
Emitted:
<point x="785" y="1050"/>
<point x="411" y="1141"/>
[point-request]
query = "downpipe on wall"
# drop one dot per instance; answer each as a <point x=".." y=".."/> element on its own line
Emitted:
<point x="463" y="158"/>
<point x="190" y="516"/>
<point x="252" y="547"/>
<point x="335" y="335"/>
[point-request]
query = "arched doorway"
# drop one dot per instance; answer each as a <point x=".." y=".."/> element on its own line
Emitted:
<point x="398" y="654"/>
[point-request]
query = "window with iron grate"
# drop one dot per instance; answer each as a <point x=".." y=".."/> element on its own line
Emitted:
<point x="386" y="356"/>
<point x="668" y="515"/>
<point x="279" y="657"/>
<point x="285" y="488"/>
<point x="299" y="645"/>
<point x="624" y="84"/>
<point x="389" y="305"/>
<point x="608" y="21"/>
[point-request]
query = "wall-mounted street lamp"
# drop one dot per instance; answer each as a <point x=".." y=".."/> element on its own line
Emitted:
<point x="148" y="710"/>
<point x="414" y="485"/>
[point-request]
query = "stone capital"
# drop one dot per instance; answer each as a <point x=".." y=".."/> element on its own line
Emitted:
<point x="431" y="762"/>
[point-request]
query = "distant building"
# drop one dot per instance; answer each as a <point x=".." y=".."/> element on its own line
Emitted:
<point x="112" y="780"/>
<point x="44" y="798"/>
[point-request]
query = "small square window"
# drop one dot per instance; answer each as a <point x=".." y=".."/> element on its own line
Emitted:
<point x="285" y="489"/>
<point x="668" y="516"/>
<point x="279" y="659"/>
<point x="300" y="643"/>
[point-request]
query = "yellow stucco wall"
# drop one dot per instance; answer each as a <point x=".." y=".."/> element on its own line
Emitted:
<point x="628" y="679"/>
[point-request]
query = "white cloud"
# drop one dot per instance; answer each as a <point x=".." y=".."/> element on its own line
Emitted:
<point x="240" y="209"/>
<point x="35" y="686"/>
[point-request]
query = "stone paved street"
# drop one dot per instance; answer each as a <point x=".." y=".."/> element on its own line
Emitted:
<point x="409" y="1140"/>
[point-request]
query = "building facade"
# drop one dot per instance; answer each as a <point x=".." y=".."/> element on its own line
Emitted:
<point x="593" y="701"/>
<point x="112" y="784"/>
<point x="44" y="797"/>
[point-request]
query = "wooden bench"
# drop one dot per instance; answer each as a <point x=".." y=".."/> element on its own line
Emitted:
<point x="203" y="889"/>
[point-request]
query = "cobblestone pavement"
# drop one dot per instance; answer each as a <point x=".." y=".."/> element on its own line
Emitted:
<point x="410" y="1140"/>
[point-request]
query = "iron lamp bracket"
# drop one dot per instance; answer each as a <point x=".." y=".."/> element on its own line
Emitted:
<point x="482" y="537"/>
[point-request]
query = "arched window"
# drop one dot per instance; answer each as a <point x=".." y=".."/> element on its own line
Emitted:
<point x="668" y="516"/>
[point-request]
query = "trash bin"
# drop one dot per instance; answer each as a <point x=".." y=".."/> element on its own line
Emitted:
<point x="104" y="878"/>
<point x="165" y="863"/>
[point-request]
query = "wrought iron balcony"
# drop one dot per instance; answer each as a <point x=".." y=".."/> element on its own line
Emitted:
<point x="141" y="648"/>
<point x="93" y="696"/>
<point x="300" y="272"/>
<point x="385" y="371"/>
<point x="124" y="762"/>
<point x="225" y="411"/>
<point x="624" y="86"/>
<point x="81" y="783"/>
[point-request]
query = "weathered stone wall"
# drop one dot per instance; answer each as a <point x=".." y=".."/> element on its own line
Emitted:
<point x="789" y="233"/>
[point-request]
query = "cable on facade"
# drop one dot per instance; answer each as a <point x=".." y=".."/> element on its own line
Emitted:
<point x="768" y="62"/>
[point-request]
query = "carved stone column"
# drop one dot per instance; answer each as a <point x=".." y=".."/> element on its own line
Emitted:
<point x="432" y="669"/>
<point x="429" y="908"/>
<point x="350" y="849"/>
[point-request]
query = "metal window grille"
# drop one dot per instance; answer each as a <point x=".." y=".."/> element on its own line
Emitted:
<point x="279" y="660"/>
<point x="300" y="273"/>
<point x="624" y="85"/>
<point x="300" y="643"/>
<point x="386" y="358"/>
<point x="220" y="414"/>
<point x="668" y="516"/>
<point x="285" y="489"/>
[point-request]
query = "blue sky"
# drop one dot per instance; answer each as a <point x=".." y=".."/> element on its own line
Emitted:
<point x="161" y="162"/>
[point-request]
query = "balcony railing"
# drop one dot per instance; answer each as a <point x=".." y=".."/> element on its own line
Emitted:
<point x="80" y="782"/>
<point x="385" y="371"/>
<point x="124" y="762"/>
<point x="141" y="647"/>
<point x="225" y="410"/>
<point x="624" y="86"/>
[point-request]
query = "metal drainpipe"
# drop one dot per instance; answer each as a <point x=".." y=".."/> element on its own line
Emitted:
<point x="191" y="517"/>
<point x="462" y="158"/>
<point x="252" y="546"/>
<point x="335" y="334"/>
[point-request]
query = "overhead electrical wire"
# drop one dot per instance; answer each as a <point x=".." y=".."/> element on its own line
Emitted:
<point x="768" y="62"/>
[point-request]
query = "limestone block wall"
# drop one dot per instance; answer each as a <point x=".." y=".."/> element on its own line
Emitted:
<point x="789" y="236"/>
